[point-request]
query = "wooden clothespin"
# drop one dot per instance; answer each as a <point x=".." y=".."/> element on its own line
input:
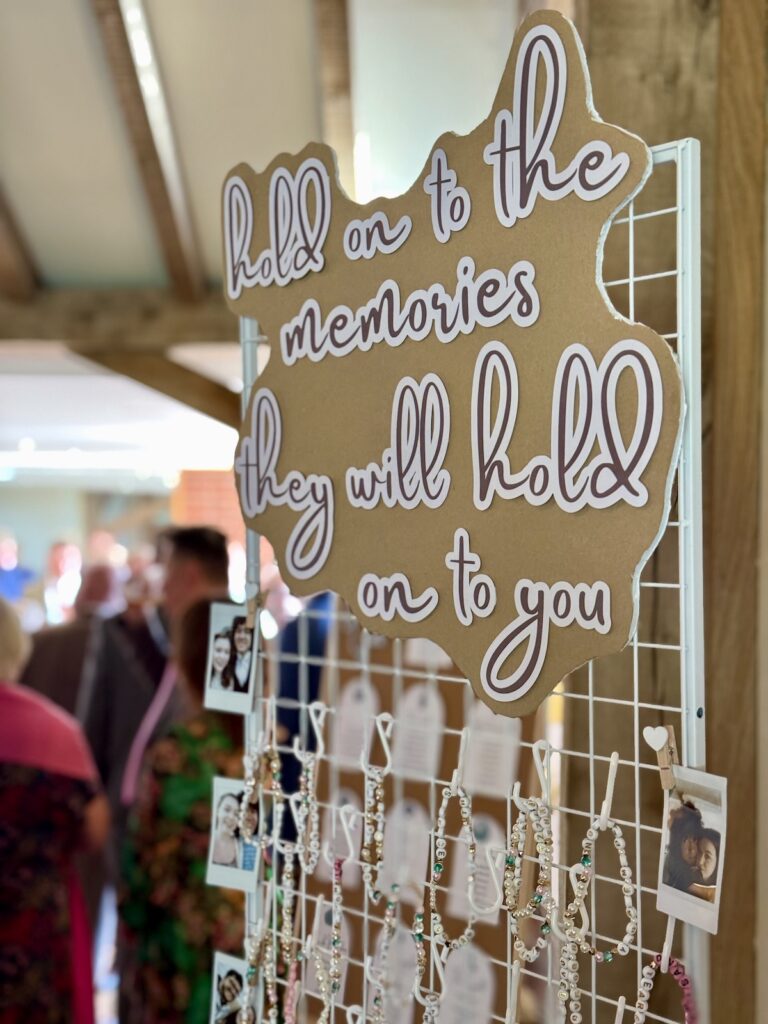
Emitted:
<point x="253" y="606"/>
<point x="662" y="740"/>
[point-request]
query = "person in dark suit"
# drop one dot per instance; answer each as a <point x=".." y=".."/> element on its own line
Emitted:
<point x="56" y="665"/>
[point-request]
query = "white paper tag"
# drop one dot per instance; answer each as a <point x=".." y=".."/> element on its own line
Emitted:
<point x="406" y="850"/>
<point x="401" y="968"/>
<point x="337" y="847"/>
<point x="470" y="988"/>
<point x="493" y="747"/>
<point x="426" y="654"/>
<point x="353" y="722"/>
<point x="322" y="932"/>
<point x="488" y="833"/>
<point x="418" y="732"/>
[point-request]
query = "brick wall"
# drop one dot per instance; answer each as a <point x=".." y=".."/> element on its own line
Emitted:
<point x="208" y="498"/>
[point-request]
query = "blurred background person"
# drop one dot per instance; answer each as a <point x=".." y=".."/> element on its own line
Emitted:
<point x="57" y="589"/>
<point x="171" y="921"/>
<point x="55" y="667"/>
<point x="129" y="694"/>
<point x="50" y="806"/>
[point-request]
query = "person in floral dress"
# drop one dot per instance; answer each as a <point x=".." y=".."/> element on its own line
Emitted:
<point x="171" y="920"/>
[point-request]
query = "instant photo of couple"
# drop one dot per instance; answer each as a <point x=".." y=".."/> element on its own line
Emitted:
<point x="231" y="660"/>
<point x="693" y="848"/>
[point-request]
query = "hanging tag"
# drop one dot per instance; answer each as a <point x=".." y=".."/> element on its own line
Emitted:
<point x="322" y="933"/>
<point x="398" y="979"/>
<point x="493" y="748"/>
<point x="425" y="654"/>
<point x="470" y="988"/>
<point x="406" y="849"/>
<point x="488" y="832"/>
<point x="353" y="722"/>
<point x="350" y="878"/>
<point x="418" y="733"/>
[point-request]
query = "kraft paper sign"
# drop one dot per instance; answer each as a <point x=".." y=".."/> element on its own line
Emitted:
<point x="456" y="431"/>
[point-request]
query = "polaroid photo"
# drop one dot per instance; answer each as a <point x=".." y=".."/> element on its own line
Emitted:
<point x="693" y="848"/>
<point x="230" y="990"/>
<point x="232" y="657"/>
<point x="231" y="859"/>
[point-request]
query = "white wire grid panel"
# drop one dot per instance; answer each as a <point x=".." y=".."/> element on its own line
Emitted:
<point x="604" y="707"/>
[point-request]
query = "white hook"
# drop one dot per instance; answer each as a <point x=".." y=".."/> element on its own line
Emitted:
<point x="520" y="804"/>
<point x="355" y="1014"/>
<point x="541" y="753"/>
<point x="440" y="971"/>
<point x="514" y="989"/>
<point x="620" y="1010"/>
<point x="666" y="949"/>
<point x="317" y="712"/>
<point x="458" y="773"/>
<point x="573" y="872"/>
<point x="605" y="811"/>
<point x="384" y="723"/>
<point x="346" y="814"/>
<point x="374" y="977"/>
<point x="492" y="856"/>
<point x="293" y="803"/>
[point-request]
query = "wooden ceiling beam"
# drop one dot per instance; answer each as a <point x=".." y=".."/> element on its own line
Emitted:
<point x="178" y="382"/>
<point x="332" y="30"/>
<point x="18" y="276"/>
<point x="117" y="320"/>
<point x="140" y="94"/>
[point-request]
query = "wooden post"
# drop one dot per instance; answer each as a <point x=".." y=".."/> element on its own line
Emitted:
<point x="732" y="532"/>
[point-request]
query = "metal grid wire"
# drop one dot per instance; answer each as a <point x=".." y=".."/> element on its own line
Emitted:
<point x="579" y="719"/>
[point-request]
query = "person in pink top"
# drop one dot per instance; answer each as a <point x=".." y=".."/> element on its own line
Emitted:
<point x="51" y="806"/>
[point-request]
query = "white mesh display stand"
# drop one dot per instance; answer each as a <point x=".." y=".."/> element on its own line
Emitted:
<point x="674" y="187"/>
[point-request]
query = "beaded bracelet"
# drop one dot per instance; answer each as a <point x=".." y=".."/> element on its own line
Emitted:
<point x="372" y="851"/>
<point x="308" y="846"/>
<point x="677" y="971"/>
<point x="542" y="900"/>
<point x="465" y="808"/>
<point x="390" y="921"/>
<point x="582" y="885"/>
<point x="329" y="977"/>
<point x="249" y="800"/>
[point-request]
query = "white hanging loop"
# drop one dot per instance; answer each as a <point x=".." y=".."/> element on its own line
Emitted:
<point x="573" y="873"/>
<point x="457" y="778"/>
<point x="605" y="811"/>
<point x="620" y="1010"/>
<point x="439" y="970"/>
<point x="355" y="1014"/>
<point x="492" y="856"/>
<point x="666" y="950"/>
<point x="346" y="815"/>
<point x="514" y="991"/>
<point x="384" y="723"/>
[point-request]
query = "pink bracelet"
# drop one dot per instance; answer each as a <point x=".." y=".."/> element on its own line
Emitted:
<point x="677" y="971"/>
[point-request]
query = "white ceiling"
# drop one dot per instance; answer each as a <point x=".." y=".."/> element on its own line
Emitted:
<point x="62" y="414"/>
